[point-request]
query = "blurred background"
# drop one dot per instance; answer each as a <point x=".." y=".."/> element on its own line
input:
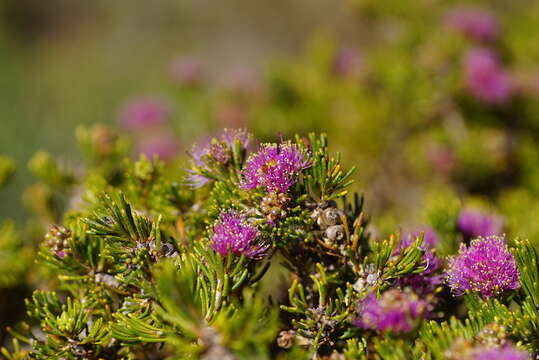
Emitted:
<point x="66" y="63"/>
<point x="428" y="99"/>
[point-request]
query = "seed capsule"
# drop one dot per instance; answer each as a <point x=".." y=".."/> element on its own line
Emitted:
<point x="334" y="233"/>
<point x="329" y="217"/>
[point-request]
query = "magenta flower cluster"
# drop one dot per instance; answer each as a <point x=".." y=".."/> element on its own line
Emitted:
<point x="275" y="167"/>
<point x="473" y="223"/>
<point x="215" y="151"/>
<point x="475" y="23"/>
<point x="395" y="311"/>
<point x="232" y="233"/>
<point x="485" y="77"/>
<point x="486" y="266"/>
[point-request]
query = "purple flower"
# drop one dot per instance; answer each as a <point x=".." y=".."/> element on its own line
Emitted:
<point x="275" y="167"/>
<point x="473" y="223"/>
<point x="205" y="157"/>
<point x="395" y="311"/>
<point x="164" y="146"/>
<point x="508" y="352"/>
<point x="425" y="282"/>
<point x="143" y="114"/>
<point x="474" y="23"/>
<point x="233" y="233"/>
<point x="485" y="78"/>
<point x="486" y="266"/>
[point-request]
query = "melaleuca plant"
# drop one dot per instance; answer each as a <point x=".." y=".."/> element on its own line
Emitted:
<point x="148" y="262"/>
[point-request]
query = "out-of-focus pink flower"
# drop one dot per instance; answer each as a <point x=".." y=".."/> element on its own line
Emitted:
<point x="347" y="63"/>
<point x="163" y="145"/>
<point x="442" y="159"/>
<point x="473" y="223"/>
<point x="475" y="23"/>
<point x="143" y="114"/>
<point x="186" y="71"/>
<point x="485" y="77"/>
<point x="395" y="311"/>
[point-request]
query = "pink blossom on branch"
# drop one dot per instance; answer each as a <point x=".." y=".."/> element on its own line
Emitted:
<point x="232" y="233"/>
<point x="275" y="167"/>
<point x="486" y="266"/>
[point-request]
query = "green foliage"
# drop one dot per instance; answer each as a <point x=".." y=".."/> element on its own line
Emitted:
<point x="50" y="172"/>
<point x="7" y="169"/>
<point x="14" y="258"/>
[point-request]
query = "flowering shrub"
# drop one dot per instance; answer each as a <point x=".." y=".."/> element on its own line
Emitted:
<point x="255" y="248"/>
<point x="144" y="266"/>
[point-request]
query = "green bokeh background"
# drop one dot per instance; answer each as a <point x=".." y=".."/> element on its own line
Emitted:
<point x="65" y="63"/>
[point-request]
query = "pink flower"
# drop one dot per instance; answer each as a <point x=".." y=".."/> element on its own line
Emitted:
<point x="473" y="223"/>
<point x="233" y="234"/>
<point x="485" y="78"/>
<point x="475" y="23"/>
<point x="486" y="266"/>
<point x="275" y="167"/>
<point x="143" y="114"/>
<point x="395" y="311"/>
